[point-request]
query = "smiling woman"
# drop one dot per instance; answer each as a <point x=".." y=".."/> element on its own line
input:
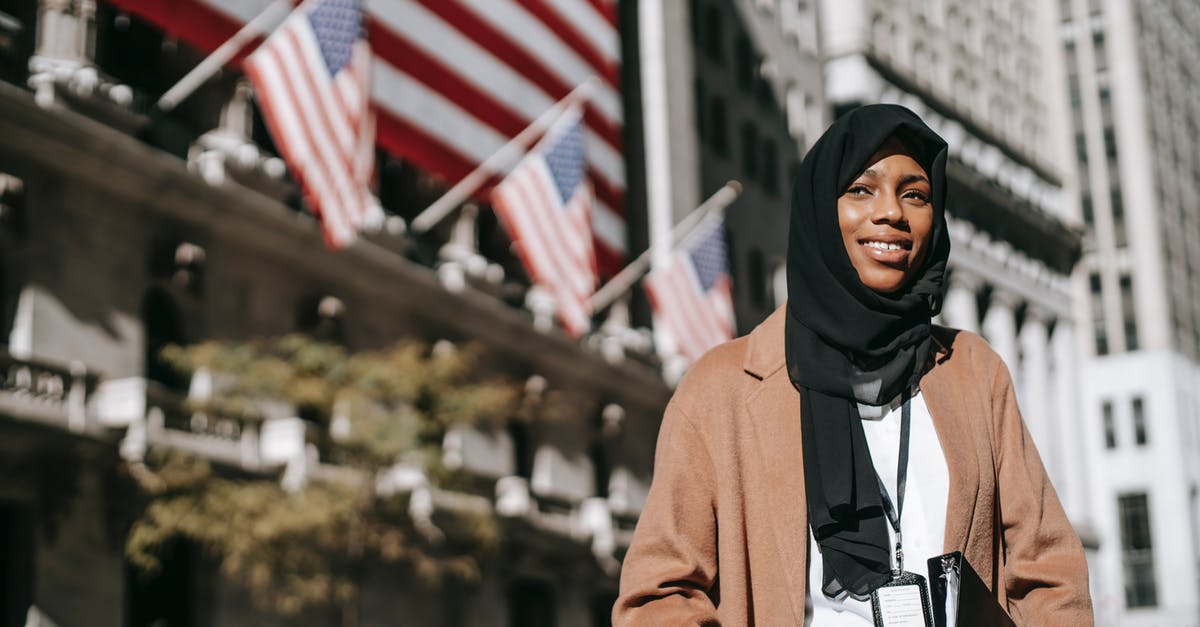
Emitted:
<point x="786" y="458"/>
<point x="886" y="218"/>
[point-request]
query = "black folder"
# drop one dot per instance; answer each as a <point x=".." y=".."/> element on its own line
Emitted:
<point x="959" y="596"/>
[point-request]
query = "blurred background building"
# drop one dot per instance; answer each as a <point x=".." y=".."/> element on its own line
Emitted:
<point x="1135" y="111"/>
<point x="123" y="230"/>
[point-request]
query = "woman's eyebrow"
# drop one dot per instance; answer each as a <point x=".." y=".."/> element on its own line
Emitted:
<point x="913" y="178"/>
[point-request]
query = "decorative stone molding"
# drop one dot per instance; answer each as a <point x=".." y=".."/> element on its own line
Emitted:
<point x="461" y="264"/>
<point x="229" y="153"/>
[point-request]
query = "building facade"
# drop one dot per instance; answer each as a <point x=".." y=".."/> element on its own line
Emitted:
<point x="1131" y="76"/>
<point x="981" y="75"/>
<point x="737" y="96"/>
<point x="122" y="232"/>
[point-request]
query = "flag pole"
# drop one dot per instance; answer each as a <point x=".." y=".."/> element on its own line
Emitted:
<point x="462" y="190"/>
<point x="263" y="22"/>
<point x="630" y="274"/>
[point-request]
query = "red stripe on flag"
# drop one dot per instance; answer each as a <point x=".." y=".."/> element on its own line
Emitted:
<point x="566" y="32"/>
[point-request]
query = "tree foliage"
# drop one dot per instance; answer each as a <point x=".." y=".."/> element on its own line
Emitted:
<point x="370" y="410"/>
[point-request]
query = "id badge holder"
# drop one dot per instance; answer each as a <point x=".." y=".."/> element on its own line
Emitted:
<point x="902" y="602"/>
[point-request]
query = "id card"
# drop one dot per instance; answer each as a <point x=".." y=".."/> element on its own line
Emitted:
<point x="902" y="602"/>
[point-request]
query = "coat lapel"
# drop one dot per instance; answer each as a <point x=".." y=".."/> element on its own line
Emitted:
<point x="775" y="411"/>
<point x="948" y="409"/>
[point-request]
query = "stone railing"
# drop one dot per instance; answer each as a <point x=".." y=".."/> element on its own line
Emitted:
<point x="47" y="393"/>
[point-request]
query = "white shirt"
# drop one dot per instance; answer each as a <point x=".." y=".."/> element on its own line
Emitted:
<point x="923" y="520"/>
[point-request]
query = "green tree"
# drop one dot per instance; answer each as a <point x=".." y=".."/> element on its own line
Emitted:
<point x="370" y="410"/>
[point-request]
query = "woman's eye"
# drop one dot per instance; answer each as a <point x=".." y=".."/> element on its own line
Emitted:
<point x="917" y="195"/>
<point x="858" y="190"/>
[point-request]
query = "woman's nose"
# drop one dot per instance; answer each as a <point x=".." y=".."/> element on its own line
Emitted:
<point x="886" y="209"/>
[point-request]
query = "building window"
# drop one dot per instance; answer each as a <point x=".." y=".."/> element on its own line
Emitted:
<point x="770" y="166"/>
<point x="744" y="62"/>
<point x="701" y="116"/>
<point x="1064" y="10"/>
<point x="162" y="327"/>
<point x="1089" y="213"/>
<point x="714" y="37"/>
<point x="1110" y="425"/>
<point x="750" y="151"/>
<point x="758" y="278"/>
<point x="1120" y="237"/>
<point x="718" y="129"/>
<point x="1100" y="54"/>
<point x="1097" y="303"/>
<point x="1137" y="556"/>
<point x="1139" y="421"/>
<point x="1129" y="315"/>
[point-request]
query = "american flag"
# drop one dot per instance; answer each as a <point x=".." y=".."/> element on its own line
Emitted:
<point x="453" y="80"/>
<point x="691" y="294"/>
<point x="312" y="79"/>
<point x="545" y="204"/>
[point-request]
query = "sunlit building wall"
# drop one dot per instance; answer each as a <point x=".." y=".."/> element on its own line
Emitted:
<point x="1131" y="72"/>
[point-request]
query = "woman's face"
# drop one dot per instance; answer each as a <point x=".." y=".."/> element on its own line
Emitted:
<point x="886" y="217"/>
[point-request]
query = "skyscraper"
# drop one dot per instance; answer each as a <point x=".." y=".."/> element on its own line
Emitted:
<point x="1132" y="79"/>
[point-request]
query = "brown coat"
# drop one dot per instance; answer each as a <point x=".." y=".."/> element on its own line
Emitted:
<point x="723" y="536"/>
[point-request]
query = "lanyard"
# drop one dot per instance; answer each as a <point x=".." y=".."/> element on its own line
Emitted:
<point x="893" y="512"/>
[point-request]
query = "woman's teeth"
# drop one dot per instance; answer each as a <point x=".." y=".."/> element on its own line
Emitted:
<point x="883" y="245"/>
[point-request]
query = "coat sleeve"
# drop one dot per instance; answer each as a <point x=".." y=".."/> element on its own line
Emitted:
<point x="670" y="569"/>
<point x="1045" y="571"/>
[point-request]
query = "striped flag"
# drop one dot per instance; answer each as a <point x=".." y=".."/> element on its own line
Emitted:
<point x="454" y="80"/>
<point x="692" y="294"/>
<point x="312" y="80"/>
<point x="545" y="205"/>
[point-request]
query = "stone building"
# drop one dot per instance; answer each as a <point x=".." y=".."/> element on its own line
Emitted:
<point x="122" y="232"/>
<point x="730" y="90"/>
<point x="1135" y="112"/>
<point x="983" y="76"/>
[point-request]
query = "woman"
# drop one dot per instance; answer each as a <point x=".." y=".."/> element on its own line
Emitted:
<point x="778" y="491"/>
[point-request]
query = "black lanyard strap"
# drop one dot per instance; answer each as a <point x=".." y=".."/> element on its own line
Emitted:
<point x="894" y="512"/>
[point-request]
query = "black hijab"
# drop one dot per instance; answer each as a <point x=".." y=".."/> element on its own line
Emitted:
<point x="847" y="344"/>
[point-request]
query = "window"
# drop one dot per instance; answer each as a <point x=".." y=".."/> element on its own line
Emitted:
<point x="161" y="326"/>
<point x="1128" y="314"/>
<point x="1110" y="425"/>
<point x="1120" y="237"/>
<point x="1137" y="555"/>
<point x="701" y="125"/>
<point x="750" y="151"/>
<point x="758" y="278"/>
<point x="714" y="37"/>
<point x="770" y="166"/>
<point x="1139" y="421"/>
<point x="1097" y="304"/>
<point x="718" y="129"/>
<point x="744" y="64"/>
<point x="1101" y="55"/>
<point x="1064" y="10"/>
<point x="1089" y="217"/>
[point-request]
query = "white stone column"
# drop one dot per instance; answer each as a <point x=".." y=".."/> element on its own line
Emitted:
<point x="1072" y="482"/>
<point x="1000" y="327"/>
<point x="960" y="309"/>
<point x="1035" y="387"/>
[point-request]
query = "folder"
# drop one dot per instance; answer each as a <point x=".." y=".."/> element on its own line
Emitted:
<point x="959" y="596"/>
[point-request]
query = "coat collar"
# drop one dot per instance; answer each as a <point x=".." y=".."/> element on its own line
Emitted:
<point x="765" y="353"/>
